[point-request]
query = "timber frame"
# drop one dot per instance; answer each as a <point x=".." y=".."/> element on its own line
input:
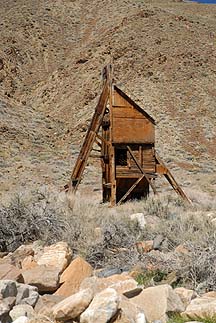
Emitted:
<point x="125" y="135"/>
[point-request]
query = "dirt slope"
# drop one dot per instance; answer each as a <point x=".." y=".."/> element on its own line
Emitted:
<point x="51" y="55"/>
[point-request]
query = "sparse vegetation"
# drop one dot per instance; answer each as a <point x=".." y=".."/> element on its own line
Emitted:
<point x="107" y="237"/>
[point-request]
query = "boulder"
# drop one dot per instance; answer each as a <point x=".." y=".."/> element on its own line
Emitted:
<point x="186" y="295"/>
<point x="157" y="301"/>
<point x="21" y="319"/>
<point x="27" y="294"/>
<point x="10" y="272"/>
<point x="201" y="308"/>
<point x="139" y="218"/>
<point x="21" y="253"/>
<point x="4" y="309"/>
<point x="21" y="310"/>
<point x="103" y="307"/>
<point x="121" y="283"/>
<point x="73" y="276"/>
<point x="45" y="278"/>
<point x="28" y="263"/>
<point x="72" y="306"/>
<point x="46" y="302"/>
<point x="8" y="288"/>
<point x="129" y="313"/>
<point x="57" y="255"/>
<point x="10" y="301"/>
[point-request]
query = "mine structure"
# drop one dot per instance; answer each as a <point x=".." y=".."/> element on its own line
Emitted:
<point x="125" y="134"/>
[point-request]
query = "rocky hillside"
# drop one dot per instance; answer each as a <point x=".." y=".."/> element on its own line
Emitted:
<point x="51" y="56"/>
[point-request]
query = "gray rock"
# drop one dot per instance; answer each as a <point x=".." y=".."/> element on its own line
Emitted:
<point x="21" y="310"/>
<point x="27" y="294"/>
<point x="158" y="242"/>
<point x="8" y="288"/>
<point x="32" y="299"/>
<point x="4" y="309"/>
<point x="108" y="272"/>
<point x="134" y="292"/>
<point x="10" y="301"/>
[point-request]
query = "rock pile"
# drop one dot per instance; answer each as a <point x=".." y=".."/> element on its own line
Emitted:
<point x="48" y="281"/>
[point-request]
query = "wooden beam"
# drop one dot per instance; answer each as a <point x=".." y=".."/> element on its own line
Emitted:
<point x="170" y="178"/>
<point x="142" y="171"/>
<point x="102" y="139"/>
<point x="130" y="189"/>
<point x="91" y="133"/>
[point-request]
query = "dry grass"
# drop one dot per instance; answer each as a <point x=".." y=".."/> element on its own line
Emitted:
<point x="106" y="236"/>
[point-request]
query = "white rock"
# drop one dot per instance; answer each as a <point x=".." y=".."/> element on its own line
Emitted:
<point x="21" y="310"/>
<point x="103" y="307"/>
<point x="21" y="319"/>
<point x="201" y="307"/>
<point x="57" y="255"/>
<point x="140" y="218"/>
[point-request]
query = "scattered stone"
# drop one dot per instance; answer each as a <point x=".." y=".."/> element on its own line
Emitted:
<point x="121" y="283"/>
<point x="57" y="255"/>
<point x="73" y="276"/>
<point x="144" y="246"/>
<point x="10" y="301"/>
<point x="186" y="295"/>
<point x="4" y="309"/>
<point x="72" y="306"/>
<point x="21" y="319"/>
<point x="8" y="288"/>
<point x="46" y="302"/>
<point x="201" y="307"/>
<point x="157" y="242"/>
<point x="21" y="253"/>
<point x="108" y="272"/>
<point x="10" y="272"/>
<point x="21" y="310"/>
<point x="140" y="218"/>
<point x="45" y="278"/>
<point x="157" y="301"/>
<point x="27" y="294"/>
<point x="129" y="312"/>
<point x="103" y="307"/>
<point x="133" y="292"/>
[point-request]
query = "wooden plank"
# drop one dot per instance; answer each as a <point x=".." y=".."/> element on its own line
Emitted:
<point x="170" y="178"/>
<point x="91" y="134"/>
<point x="142" y="171"/>
<point x="128" y="130"/>
<point x="127" y="112"/>
<point x="130" y="190"/>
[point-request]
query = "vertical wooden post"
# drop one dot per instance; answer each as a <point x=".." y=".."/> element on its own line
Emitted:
<point x="112" y="175"/>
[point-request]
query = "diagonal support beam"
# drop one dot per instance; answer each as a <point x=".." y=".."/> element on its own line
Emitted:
<point x="130" y="189"/>
<point x="141" y="170"/>
<point x="168" y="175"/>
<point x="91" y="133"/>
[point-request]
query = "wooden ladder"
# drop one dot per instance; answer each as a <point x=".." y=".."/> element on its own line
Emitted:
<point x="91" y="134"/>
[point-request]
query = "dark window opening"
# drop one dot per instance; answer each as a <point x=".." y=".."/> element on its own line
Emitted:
<point x="121" y="157"/>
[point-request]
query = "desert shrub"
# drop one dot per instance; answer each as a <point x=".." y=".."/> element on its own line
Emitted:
<point x="22" y="222"/>
<point x="50" y="219"/>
